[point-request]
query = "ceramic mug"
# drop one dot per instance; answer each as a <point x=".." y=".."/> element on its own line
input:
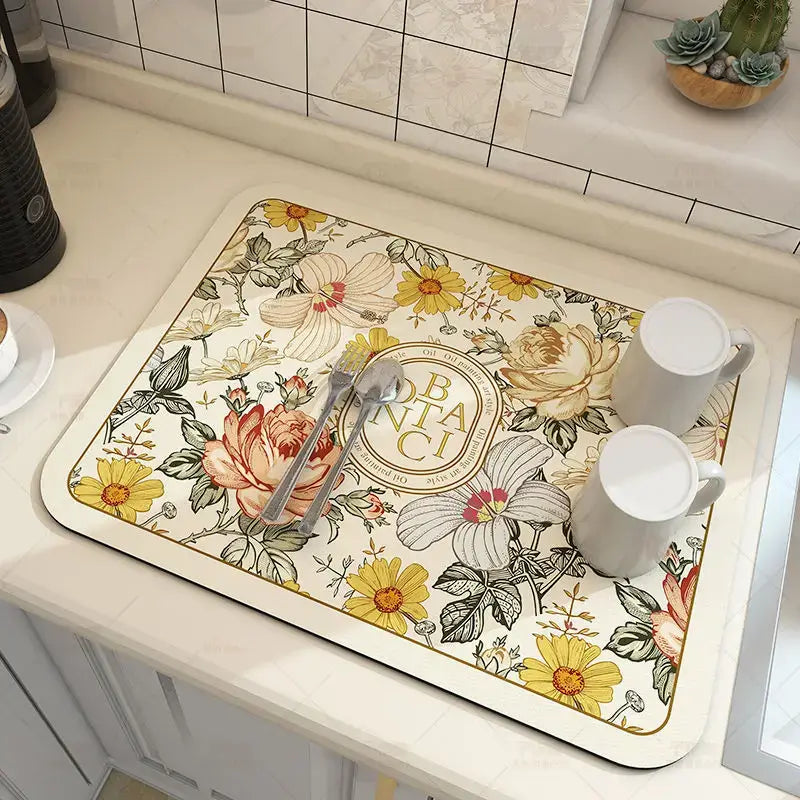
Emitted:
<point x="8" y="348"/>
<point x="643" y="484"/>
<point x="677" y="356"/>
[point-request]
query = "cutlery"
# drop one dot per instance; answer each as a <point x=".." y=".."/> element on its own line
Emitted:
<point x="378" y="385"/>
<point x="340" y="381"/>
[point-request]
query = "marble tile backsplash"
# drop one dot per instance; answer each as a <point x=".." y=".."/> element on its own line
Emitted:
<point x="465" y="78"/>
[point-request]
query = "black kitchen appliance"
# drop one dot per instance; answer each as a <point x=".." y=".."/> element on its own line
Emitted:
<point x="32" y="241"/>
<point x="24" y="42"/>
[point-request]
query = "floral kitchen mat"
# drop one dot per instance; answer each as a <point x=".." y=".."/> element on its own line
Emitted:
<point x="450" y="528"/>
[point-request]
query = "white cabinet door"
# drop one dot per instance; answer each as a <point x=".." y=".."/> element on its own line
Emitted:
<point x="369" y="785"/>
<point x="186" y="741"/>
<point x="33" y="763"/>
<point x="26" y="657"/>
<point x="227" y="751"/>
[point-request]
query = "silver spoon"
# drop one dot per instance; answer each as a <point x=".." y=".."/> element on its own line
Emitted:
<point x="378" y="385"/>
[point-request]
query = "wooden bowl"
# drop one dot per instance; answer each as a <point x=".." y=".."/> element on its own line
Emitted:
<point x="711" y="93"/>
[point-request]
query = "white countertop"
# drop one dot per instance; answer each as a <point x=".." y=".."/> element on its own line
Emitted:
<point x="136" y="195"/>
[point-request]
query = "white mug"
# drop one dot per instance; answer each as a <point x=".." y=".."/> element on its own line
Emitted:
<point x="677" y="356"/>
<point x="642" y="486"/>
<point x="8" y="348"/>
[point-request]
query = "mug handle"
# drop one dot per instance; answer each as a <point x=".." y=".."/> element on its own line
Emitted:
<point x="741" y="361"/>
<point x="713" y="473"/>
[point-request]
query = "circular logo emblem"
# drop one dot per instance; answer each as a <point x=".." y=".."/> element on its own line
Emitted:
<point x="435" y="436"/>
<point x="35" y="209"/>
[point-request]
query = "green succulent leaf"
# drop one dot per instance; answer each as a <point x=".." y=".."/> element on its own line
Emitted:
<point x="757" y="69"/>
<point x="693" y="42"/>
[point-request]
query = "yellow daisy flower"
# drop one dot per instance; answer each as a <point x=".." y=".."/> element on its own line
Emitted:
<point x="292" y="216"/>
<point x="389" y="598"/>
<point x="433" y="290"/>
<point x="634" y="319"/>
<point x="122" y="489"/>
<point x="568" y="675"/>
<point x="514" y="284"/>
<point x="376" y="340"/>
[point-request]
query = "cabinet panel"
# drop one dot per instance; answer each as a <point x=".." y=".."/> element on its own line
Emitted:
<point x="33" y="765"/>
<point x="227" y="751"/>
<point x="186" y="741"/>
<point x="26" y="656"/>
<point x="94" y="685"/>
<point x="370" y="785"/>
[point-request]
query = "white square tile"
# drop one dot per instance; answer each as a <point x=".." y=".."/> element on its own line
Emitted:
<point x="350" y="117"/>
<point x="48" y="11"/>
<point x="105" y="48"/>
<point x="183" y="28"/>
<point x="183" y="70"/>
<point x="263" y="39"/>
<point x="54" y="34"/>
<point x="547" y="33"/>
<point x="527" y="90"/>
<point x="639" y="197"/>
<point x="450" y="89"/>
<point x="538" y="169"/>
<point x="266" y="93"/>
<point x="483" y="25"/>
<point x="386" y="13"/>
<point x="111" y="18"/>
<point x="770" y="234"/>
<point x="441" y="142"/>
<point x="354" y="63"/>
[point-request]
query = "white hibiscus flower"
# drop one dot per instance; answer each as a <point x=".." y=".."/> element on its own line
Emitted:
<point x="704" y="440"/>
<point x="337" y="295"/>
<point x="479" y="513"/>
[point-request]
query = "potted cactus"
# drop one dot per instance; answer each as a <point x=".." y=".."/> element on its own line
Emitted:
<point x="731" y="59"/>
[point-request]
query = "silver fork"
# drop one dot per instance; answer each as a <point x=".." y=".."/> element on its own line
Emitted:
<point x="340" y="380"/>
<point x="378" y="385"/>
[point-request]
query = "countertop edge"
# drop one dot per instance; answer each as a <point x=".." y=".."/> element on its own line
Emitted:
<point x="693" y="251"/>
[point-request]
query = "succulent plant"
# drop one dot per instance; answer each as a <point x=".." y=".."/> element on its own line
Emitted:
<point x="757" y="69"/>
<point x="693" y="42"/>
<point x="756" y="25"/>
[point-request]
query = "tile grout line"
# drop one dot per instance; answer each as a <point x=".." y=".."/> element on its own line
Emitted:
<point x="63" y="26"/>
<point x="641" y="185"/>
<point x="138" y="33"/>
<point x="502" y="81"/>
<point x="425" y="38"/>
<point x="219" y="45"/>
<point x="746" y="214"/>
<point x="549" y="160"/>
<point x="440" y="130"/>
<point x="694" y="203"/>
<point x="586" y="185"/>
<point x="398" y="118"/>
<point x="375" y="27"/>
<point x="308" y="99"/>
<point x="400" y="73"/>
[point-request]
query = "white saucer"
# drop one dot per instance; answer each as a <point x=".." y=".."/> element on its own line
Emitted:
<point x="35" y="361"/>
